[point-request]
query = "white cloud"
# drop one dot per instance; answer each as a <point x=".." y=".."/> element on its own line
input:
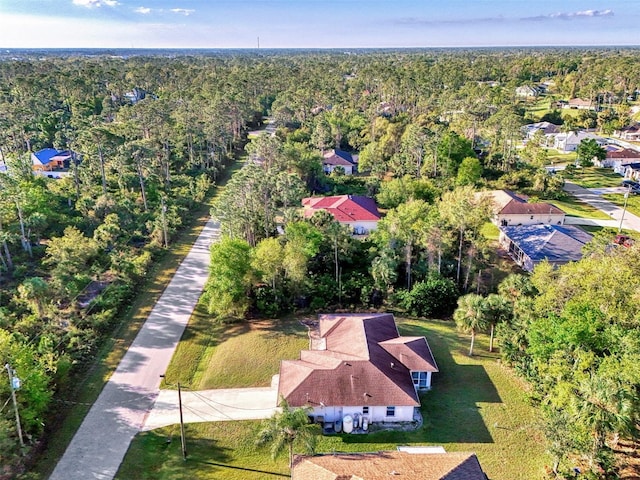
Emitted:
<point x="143" y="10"/>
<point x="184" y="11"/>
<point x="95" y="3"/>
<point x="571" y="15"/>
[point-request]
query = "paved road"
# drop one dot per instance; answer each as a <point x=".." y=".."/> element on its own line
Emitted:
<point x="593" y="198"/>
<point x="119" y="413"/>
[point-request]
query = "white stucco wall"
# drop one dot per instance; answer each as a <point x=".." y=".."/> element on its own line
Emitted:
<point x="376" y="413"/>
<point x="367" y="226"/>
<point x="529" y="219"/>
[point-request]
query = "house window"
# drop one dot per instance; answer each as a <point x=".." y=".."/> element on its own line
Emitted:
<point x="365" y="410"/>
<point x="419" y="380"/>
<point x="391" y="411"/>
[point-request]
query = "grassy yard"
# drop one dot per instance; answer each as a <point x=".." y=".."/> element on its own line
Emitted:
<point x="633" y="203"/>
<point x="594" y="177"/>
<point x="574" y="207"/>
<point x="207" y="357"/>
<point x="476" y="405"/>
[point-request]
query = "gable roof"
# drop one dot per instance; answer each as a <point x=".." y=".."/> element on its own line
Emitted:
<point x="46" y="155"/>
<point x="525" y="208"/>
<point x="620" y="152"/>
<point x="362" y="364"/>
<point x="338" y="157"/>
<point x="547" y="128"/>
<point x="505" y="202"/>
<point x="344" y="208"/>
<point x="385" y="465"/>
<point x="555" y="243"/>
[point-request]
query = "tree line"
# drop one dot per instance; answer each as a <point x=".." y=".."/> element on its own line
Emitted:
<point x="429" y="127"/>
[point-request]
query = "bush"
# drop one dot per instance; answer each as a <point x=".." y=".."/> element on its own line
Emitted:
<point x="435" y="297"/>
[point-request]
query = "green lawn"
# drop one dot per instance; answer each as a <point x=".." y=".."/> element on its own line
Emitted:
<point x="476" y="405"/>
<point x="633" y="203"/>
<point x="594" y="177"/>
<point x="574" y="207"/>
<point x="207" y="357"/>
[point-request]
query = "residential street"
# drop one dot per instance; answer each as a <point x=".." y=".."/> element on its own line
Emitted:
<point x="593" y="198"/>
<point x="119" y="413"/>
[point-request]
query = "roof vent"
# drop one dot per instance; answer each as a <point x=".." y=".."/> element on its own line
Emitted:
<point x="393" y="365"/>
<point x="393" y="472"/>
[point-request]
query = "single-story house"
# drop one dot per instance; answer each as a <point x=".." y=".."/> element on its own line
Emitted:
<point x="359" y="213"/>
<point x="528" y="91"/>
<point x="580" y="104"/>
<point x="358" y="367"/>
<point x="50" y="159"/>
<point x="406" y="465"/>
<point x="569" y="141"/>
<point x="617" y="157"/>
<point x="529" y="245"/>
<point x="630" y="132"/>
<point x="511" y="209"/>
<point x="548" y="129"/>
<point x="338" y="158"/>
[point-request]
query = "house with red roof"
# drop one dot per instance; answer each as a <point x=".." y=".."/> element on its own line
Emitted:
<point x="338" y="158"/>
<point x="359" y="213"/>
<point x="359" y="367"/>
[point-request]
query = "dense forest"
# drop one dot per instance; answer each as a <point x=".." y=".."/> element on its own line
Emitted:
<point x="151" y="134"/>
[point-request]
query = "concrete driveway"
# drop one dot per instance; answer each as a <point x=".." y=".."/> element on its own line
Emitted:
<point x="212" y="406"/>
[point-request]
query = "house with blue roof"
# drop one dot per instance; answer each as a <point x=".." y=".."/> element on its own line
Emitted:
<point x="51" y="160"/>
<point x="529" y="245"/>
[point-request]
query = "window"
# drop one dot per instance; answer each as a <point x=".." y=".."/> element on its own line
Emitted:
<point x="420" y="380"/>
<point x="391" y="411"/>
<point x="365" y="410"/>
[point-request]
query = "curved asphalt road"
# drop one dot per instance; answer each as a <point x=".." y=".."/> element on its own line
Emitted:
<point x="99" y="445"/>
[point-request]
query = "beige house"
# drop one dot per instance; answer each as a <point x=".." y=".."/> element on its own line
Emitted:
<point x="359" y="368"/>
<point x="511" y="209"/>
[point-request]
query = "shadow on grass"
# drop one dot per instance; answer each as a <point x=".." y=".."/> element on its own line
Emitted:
<point x="452" y="409"/>
<point x="286" y="475"/>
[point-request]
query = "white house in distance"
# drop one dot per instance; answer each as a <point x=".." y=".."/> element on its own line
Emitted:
<point x="569" y="141"/>
<point x="360" y="367"/>
<point x="338" y="158"/>
<point x="510" y="209"/>
<point x="358" y="212"/>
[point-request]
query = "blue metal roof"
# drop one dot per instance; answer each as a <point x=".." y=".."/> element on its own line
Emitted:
<point x="556" y="243"/>
<point x="45" y="155"/>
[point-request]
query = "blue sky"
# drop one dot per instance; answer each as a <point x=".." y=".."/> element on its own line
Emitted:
<point x="315" y="24"/>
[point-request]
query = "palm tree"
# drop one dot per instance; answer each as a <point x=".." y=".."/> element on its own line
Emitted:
<point x="497" y="309"/>
<point x="286" y="428"/>
<point x="470" y="316"/>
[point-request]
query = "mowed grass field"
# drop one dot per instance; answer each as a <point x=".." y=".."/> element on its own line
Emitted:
<point x="476" y="405"/>
<point x="594" y="177"/>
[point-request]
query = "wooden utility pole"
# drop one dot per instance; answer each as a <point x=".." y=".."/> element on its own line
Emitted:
<point x="14" y="384"/>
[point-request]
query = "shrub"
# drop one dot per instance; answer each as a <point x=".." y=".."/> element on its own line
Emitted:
<point x="435" y="297"/>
